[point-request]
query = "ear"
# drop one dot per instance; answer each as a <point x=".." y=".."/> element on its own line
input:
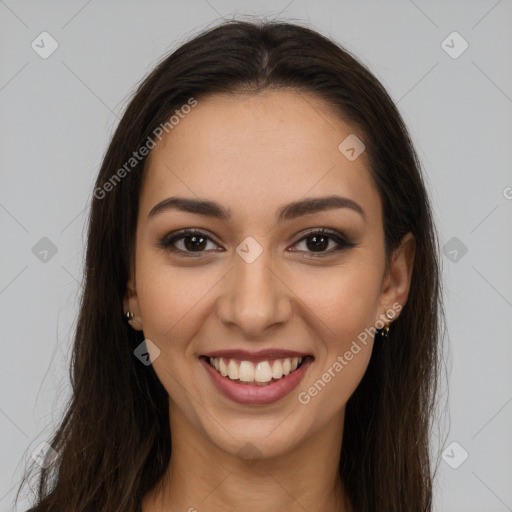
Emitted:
<point x="131" y="304"/>
<point x="397" y="281"/>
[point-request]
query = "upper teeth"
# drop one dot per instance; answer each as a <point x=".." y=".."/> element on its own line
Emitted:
<point x="247" y="371"/>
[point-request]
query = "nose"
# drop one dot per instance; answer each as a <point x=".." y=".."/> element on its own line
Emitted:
<point x="255" y="298"/>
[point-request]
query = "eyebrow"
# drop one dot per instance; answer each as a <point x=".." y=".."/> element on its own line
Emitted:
<point x="288" y="212"/>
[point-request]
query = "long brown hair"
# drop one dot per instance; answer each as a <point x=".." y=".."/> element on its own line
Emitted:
<point x="114" y="441"/>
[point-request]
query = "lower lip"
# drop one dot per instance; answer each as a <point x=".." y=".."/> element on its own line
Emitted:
<point x="257" y="395"/>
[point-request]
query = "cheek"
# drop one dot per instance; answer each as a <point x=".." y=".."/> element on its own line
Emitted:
<point x="343" y="298"/>
<point x="342" y="305"/>
<point x="173" y="303"/>
<point x="170" y="300"/>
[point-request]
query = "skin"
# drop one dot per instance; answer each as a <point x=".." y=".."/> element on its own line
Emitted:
<point x="253" y="153"/>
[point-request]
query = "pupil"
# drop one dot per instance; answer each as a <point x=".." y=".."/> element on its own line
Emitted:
<point x="316" y="244"/>
<point x="194" y="239"/>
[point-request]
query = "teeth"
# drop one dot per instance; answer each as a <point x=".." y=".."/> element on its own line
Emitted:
<point x="277" y="369"/>
<point x="233" y="372"/>
<point x="222" y="367"/>
<point x="247" y="371"/>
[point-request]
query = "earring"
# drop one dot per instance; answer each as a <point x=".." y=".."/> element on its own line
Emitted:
<point x="129" y="317"/>
<point x="385" y="330"/>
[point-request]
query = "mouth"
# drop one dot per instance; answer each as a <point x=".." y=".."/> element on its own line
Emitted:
<point x="256" y="373"/>
<point x="256" y="382"/>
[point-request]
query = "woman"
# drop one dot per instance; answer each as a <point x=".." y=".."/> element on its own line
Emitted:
<point x="261" y="315"/>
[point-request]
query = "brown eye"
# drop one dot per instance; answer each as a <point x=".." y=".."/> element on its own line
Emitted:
<point x="194" y="242"/>
<point x="187" y="242"/>
<point x="319" y="240"/>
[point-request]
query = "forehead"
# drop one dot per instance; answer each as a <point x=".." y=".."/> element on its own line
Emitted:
<point x="256" y="151"/>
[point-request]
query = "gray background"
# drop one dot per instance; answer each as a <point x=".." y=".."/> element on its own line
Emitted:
<point x="58" y="114"/>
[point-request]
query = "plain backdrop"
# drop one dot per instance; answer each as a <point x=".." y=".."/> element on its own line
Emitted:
<point x="57" y="116"/>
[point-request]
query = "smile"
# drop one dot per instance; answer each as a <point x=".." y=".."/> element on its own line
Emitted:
<point x="256" y="383"/>
<point x="259" y="373"/>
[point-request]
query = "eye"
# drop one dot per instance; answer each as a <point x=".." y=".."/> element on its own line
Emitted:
<point x="318" y="240"/>
<point x="187" y="242"/>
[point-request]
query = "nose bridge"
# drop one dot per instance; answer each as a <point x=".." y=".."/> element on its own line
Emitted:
<point x="255" y="298"/>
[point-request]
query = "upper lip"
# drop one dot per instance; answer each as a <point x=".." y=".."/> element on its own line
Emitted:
<point x="260" y="355"/>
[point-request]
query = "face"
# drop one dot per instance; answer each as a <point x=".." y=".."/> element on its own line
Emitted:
<point x="261" y="276"/>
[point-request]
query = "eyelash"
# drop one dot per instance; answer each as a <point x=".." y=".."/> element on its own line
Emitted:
<point x="168" y="241"/>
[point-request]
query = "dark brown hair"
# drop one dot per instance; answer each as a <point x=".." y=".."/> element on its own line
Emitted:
<point x="114" y="441"/>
